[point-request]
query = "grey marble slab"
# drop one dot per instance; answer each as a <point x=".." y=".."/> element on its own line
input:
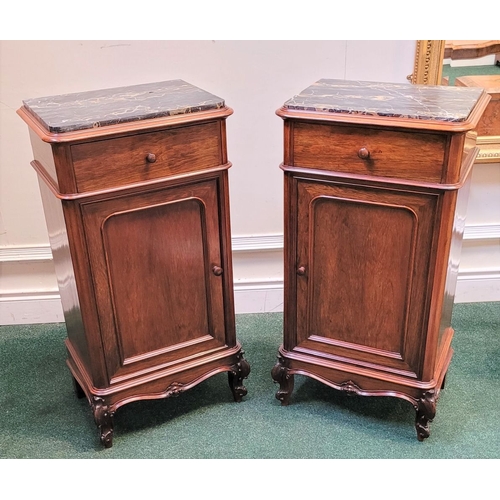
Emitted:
<point x="98" y="108"/>
<point x="419" y="102"/>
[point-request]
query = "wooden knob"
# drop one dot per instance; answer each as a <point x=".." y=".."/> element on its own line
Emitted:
<point x="217" y="270"/>
<point x="301" y="271"/>
<point x="151" y="158"/>
<point x="364" y="154"/>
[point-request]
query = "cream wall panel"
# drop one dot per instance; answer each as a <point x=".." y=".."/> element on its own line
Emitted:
<point x="254" y="77"/>
<point x="484" y="197"/>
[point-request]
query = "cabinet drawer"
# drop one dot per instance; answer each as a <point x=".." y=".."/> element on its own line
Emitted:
<point x="408" y="155"/>
<point x="143" y="157"/>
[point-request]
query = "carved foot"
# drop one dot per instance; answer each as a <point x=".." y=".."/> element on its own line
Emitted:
<point x="78" y="389"/>
<point x="239" y="371"/>
<point x="426" y="411"/>
<point x="284" y="378"/>
<point x="104" y="421"/>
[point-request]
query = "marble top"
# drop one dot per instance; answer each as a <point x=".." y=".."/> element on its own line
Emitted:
<point x="98" y="108"/>
<point x="420" y="102"/>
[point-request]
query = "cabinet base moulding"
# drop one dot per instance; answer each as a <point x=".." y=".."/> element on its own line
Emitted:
<point x="182" y="375"/>
<point x="364" y="382"/>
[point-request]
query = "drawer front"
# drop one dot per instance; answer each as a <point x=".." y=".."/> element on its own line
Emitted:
<point x="368" y="151"/>
<point x="143" y="157"/>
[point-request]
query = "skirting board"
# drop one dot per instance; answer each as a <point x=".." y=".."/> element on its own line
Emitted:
<point x="250" y="297"/>
<point x="252" y="294"/>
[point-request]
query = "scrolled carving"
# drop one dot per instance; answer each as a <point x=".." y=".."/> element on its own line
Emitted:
<point x="281" y="375"/>
<point x="426" y="411"/>
<point x="104" y="420"/>
<point x="238" y="372"/>
<point x="174" y="389"/>
<point x="350" y="388"/>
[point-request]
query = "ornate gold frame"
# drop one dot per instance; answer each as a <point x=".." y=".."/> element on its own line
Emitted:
<point x="428" y="67"/>
<point x="428" y="70"/>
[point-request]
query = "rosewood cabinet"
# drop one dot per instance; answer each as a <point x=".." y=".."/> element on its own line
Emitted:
<point x="376" y="184"/>
<point x="135" y="192"/>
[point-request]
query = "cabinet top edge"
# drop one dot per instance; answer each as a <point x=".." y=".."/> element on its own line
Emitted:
<point x="100" y="108"/>
<point x="146" y="125"/>
<point x="386" y="104"/>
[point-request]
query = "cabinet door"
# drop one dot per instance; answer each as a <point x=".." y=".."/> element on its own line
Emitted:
<point x="364" y="255"/>
<point x="158" y="297"/>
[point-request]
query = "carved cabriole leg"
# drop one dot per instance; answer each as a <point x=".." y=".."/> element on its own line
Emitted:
<point x="104" y="421"/>
<point x="426" y="411"/>
<point x="239" y="371"/>
<point x="281" y="375"/>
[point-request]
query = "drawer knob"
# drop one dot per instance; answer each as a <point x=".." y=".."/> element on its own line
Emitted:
<point x="151" y="158"/>
<point x="301" y="271"/>
<point x="217" y="270"/>
<point x="364" y="154"/>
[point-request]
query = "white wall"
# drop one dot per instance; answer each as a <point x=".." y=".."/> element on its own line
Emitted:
<point x="254" y="77"/>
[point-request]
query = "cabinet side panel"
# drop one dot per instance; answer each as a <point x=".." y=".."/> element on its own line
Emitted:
<point x="226" y="257"/>
<point x="42" y="152"/>
<point x="454" y="257"/>
<point x="59" y="243"/>
<point x="291" y="305"/>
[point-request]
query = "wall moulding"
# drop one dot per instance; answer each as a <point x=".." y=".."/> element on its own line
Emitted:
<point x="254" y="294"/>
<point x="256" y="243"/>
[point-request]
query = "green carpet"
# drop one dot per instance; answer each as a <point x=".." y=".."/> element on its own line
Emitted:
<point x="453" y="72"/>
<point x="41" y="417"/>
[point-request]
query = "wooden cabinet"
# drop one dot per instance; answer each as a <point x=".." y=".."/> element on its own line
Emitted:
<point x="376" y="185"/>
<point x="138" y="216"/>
<point x="488" y="128"/>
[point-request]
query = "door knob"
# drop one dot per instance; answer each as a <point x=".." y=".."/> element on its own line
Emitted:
<point x="217" y="270"/>
<point x="364" y="154"/>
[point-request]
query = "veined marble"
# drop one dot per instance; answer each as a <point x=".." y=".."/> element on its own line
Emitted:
<point x="98" y="108"/>
<point x="419" y="102"/>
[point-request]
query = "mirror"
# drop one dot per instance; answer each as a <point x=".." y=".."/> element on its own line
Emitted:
<point x="428" y="70"/>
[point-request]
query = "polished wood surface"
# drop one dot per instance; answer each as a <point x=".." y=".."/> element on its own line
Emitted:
<point x="152" y="256"/>
<point x="367" y="316"/>
<point x="371" y="254"/>
<point x="488" y="128"/>
<point x="470" y="49"/>
<point x="141" y="157"/>
<point x="138" y="220"/>
<point x="489" y="125"/>
<point x="369" y="151"/>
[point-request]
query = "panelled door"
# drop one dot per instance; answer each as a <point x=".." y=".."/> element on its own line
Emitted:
<point x="363" y="256"/>
<point x="156" y="268"/>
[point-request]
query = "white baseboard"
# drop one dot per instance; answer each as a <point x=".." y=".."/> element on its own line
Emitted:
<point x="35" y="308"/>
<point x="253" y="294"/>
<point x="249" y="297"/>
<point x="478" y="286"/>
<point x="258" y="297"/>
